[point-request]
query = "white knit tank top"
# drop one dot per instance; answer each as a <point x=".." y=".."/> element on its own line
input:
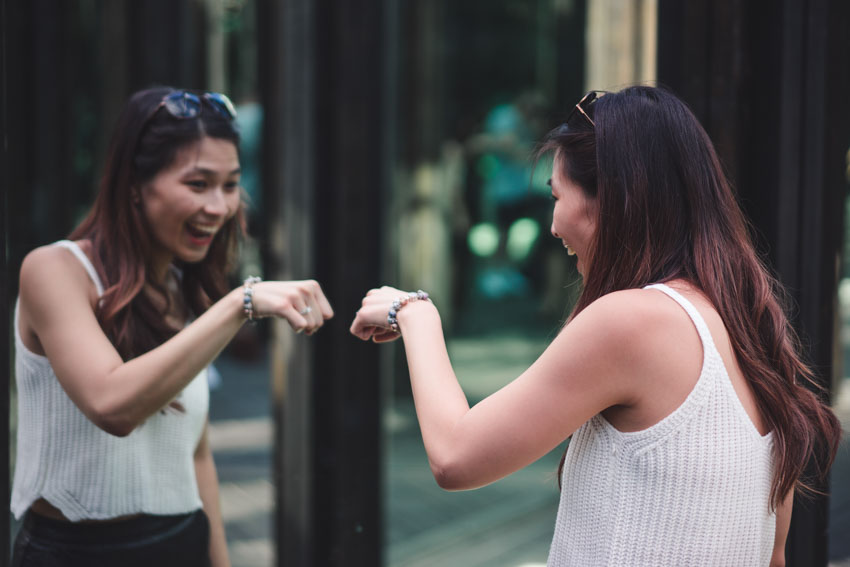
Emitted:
<point x="692" y="489"/>
<point x="84" y="471"/>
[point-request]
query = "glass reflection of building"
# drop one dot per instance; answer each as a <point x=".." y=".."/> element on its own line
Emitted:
<point x="477" y="86"/>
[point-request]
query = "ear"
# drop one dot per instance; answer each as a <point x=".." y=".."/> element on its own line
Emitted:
<point x="135" y="195"/>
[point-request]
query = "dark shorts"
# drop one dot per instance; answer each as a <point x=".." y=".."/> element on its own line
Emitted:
<point x="158" y="541"/>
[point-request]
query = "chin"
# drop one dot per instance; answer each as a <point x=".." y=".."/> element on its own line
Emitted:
<point x="193" y="257"/>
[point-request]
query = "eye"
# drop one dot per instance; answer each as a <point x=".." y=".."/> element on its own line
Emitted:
<point x="231" y="186"/>
<point x="197" y="184"/>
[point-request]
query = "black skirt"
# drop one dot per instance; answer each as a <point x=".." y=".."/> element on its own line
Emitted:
<point x="150" y="541"/>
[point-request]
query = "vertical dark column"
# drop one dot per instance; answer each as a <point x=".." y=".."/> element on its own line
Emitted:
<point x="34" y="161"/>
<point x="37" y="129"/>
<point x="768" y="80"/>
<point x="287" y="63"/>
<point x="321" y="71"/>
<point x="166" y="43"/>
<point x="5" y="314"/>
<point x="348" y="217"/>
<point x="818" y="145"/>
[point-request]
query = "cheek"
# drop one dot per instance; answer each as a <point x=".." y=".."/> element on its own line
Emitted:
<point x="155" y="210"/>
<point x="590" y="220"/>
<point x="162" y="210"/>
<point x="562" y="219"/>
<point x="233" y="203"/>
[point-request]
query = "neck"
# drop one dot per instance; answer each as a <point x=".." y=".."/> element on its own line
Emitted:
<point x="164" y="292"/>
<point x="159" y="267"/>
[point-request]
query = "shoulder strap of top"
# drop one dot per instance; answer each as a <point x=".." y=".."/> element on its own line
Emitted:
<point x="699" y="322"/>
<point x="84" y="260"/>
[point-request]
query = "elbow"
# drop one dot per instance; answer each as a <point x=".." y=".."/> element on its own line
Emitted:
<point x="112" y="421"/>
<point x="119" y="430"/>
<point x="115" y="427"/>
<point x="449" y="475"/>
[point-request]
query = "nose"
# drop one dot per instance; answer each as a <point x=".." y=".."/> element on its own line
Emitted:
<point x="553" y="231"/>
<point x="215" y="203"/>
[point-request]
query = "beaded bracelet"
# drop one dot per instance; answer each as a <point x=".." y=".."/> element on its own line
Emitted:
<point x="401" y="302"/>
<point x="248" y="296"/>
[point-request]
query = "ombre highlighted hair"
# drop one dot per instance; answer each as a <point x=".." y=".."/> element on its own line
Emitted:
<point x="146" y="140"/>
<point x="666" y="211"/>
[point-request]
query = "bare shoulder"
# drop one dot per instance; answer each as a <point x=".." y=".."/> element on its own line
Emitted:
<point x="51" y="271"/>
<point x="633" y="331"/>
<point x="636" y="315"/>
<point x="627" y="335"/>
<point x="47" y="260"/>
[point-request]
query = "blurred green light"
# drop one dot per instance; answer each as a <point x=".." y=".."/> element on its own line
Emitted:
<point x="483" y="239"/>
<point x="541" y="174"/>
<point x="488" y="166"/>
<point x="522" y="235"/>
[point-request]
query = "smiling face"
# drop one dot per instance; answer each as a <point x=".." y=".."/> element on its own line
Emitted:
<point x="574" y="215"/>
<point x="186" y="203"/>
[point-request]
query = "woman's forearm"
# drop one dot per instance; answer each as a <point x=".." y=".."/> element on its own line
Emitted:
<point x="439" y="399"/>
<point x="137" y="389"/>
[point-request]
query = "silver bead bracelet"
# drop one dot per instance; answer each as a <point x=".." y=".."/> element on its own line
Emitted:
<point x="401" y="302"/>
<point x="248" y="295"/>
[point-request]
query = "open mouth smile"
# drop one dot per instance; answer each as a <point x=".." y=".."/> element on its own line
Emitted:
<point x="201" y="234"/>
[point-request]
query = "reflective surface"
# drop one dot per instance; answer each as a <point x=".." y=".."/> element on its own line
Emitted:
<point x="473" y="88"/>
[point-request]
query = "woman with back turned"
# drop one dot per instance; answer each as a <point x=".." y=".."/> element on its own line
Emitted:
<point x="114" y="330"/>
<point x="677" y="377"/>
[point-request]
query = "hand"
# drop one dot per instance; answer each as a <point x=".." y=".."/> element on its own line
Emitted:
<point x="371" y="320"/>
<point x="301" y="303"/>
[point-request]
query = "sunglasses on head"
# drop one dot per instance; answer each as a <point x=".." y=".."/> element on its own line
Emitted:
<point x="583" y="106"/>
<point x="185" y="105"/>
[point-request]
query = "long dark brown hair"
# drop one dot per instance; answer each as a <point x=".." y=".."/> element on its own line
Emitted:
<point x="145" y="141"/>
<point x="666" y="211"/>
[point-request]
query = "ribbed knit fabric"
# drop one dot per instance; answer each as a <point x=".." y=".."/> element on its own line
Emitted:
<point x="692" y="489"/>
<point x="84" y="471"/>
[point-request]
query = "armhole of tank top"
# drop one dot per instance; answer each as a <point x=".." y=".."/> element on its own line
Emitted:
<point x="708" y="342"/>
<point x="84" y="260"/>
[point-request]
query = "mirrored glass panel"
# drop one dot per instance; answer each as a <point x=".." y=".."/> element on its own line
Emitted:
<point x="472" y="88"/>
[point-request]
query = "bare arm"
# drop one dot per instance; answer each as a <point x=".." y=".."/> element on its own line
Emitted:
<point x="116" y="395"/>
<point x="208" y="487"/>
<point x="578" y="376"/>
<point x="783" y="522"/>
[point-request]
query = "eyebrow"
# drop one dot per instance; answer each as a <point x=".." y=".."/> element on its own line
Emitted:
<point x="205" y="171"/>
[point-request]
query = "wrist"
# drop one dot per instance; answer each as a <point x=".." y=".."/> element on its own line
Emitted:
<point x="414" y="311"/>
<point x="248" y="296"/>
<point x="234" y="303"/>
<point x="403" y="306"/>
